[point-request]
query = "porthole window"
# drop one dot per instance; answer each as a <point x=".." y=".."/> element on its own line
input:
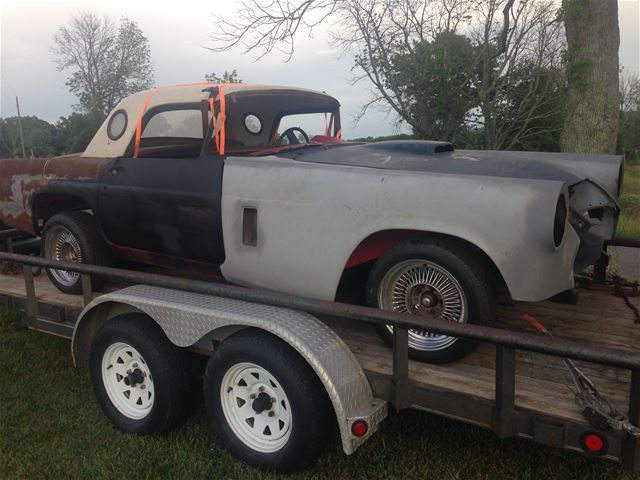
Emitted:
<point x="117" y="125"/>
<point x="253" y="124"/>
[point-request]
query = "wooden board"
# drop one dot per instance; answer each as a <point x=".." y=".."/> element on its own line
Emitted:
<point x="13" y="285"/>
<point x="541" y="380"/>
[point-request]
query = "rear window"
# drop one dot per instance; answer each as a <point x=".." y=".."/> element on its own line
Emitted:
<point x="175" y="123"/>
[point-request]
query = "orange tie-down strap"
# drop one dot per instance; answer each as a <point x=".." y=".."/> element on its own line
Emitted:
<point x="219" y="141"/>
<point x="223" y="117"/>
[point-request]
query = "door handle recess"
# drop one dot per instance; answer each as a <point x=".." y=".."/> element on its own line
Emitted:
<point x="250" y="226"/>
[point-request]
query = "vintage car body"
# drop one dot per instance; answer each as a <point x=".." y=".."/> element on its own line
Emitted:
<point x="294" y="217"/>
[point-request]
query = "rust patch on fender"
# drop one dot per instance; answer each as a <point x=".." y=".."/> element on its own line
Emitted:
<point x="21" y="179"/>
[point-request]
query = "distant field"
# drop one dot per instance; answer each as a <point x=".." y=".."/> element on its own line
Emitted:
<point x="52" y="428"/>
<point x="629" y="225"/>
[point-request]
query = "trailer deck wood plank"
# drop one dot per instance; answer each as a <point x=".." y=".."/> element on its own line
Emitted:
<point x="13" y="285"/>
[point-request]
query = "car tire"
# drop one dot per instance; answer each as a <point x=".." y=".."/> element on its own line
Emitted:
<point x="74" y="237"/>
<point x="131" y="353"/>
<point x="266" y="403"/>
<point x="446" y="279"/>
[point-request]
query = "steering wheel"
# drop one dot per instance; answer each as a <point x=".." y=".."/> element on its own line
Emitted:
<point x="289" y="134"/>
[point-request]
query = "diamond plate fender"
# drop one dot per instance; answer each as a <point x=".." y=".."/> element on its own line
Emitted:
<point x="187" y="317"/>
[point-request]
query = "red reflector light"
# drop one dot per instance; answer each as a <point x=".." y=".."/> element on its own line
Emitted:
<point x="594" y="443"/>
<point x="359" y="428"/>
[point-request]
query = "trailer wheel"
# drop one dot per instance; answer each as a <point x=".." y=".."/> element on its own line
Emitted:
<point x="438" y="278"/>
<point x="141" y="380"/>
<point x="266" y="403"/>
<point x="74" y="237"/>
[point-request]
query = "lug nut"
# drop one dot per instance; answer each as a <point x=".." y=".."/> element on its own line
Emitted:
<point x="135" y="365"/>
<point x="261" y="389"/>
<point x="271" y="413"/>
<point x="273" y="400"/>
<point x="252" y="396"/>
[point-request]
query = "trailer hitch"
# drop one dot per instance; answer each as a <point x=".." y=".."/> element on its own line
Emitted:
<point x="597" y="409"/>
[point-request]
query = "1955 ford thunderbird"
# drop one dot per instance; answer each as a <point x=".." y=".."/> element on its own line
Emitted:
<point x="256" y="181"/>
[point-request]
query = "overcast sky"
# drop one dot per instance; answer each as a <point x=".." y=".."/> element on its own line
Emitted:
<point x="177" y="32"/>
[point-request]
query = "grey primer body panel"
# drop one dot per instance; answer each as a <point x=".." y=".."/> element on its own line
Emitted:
<point x="312" y="216"/>
<point x="315" y="205"/>
<point x="188" y="317"/>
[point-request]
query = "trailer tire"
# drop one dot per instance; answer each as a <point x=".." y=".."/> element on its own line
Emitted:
<point x="74" y="237"/>
<point x="132" y="353"/>
<point x="266" y="403"/>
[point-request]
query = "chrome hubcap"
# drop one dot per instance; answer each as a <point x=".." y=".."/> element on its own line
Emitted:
<point x="420" y="287"/>
<point x="62" y="245"/>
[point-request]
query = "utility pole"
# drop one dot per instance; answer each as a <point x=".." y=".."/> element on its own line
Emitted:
<point x="24" y="153"/>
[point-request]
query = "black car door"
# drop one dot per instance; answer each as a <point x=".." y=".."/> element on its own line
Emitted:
<point x="165" y="204"/>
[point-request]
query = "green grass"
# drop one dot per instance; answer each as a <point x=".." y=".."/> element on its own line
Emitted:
<point x="629" y="225"/>
<point x="51" y="427"/>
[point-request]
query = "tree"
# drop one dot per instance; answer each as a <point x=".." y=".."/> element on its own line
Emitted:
<point x="73" y="133"/>
<point x="520" y="51"/>
<point x="593" y="39"/>
<point x="226" y="77"/>
<point x="539" y="91"/>
<point x="629" y="92"/>
<point x="39" y="137"/>
<point x="431" y="69"/>
<point x="629" y="134"/>
<point x="108" y="60"/>
<point x="394" y="41"/>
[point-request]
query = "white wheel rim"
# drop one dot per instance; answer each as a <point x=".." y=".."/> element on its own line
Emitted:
<point x="265" y="430"/>
<point x="121" y="363"/>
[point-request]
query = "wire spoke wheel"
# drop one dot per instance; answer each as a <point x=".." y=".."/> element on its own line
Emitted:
<point x="127" y="380"/>
<point x="63" y="246"/>
<point x="256" y="407"/>
<point x="421" y="287"/>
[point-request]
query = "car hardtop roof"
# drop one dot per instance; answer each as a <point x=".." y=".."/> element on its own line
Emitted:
<point x="194" y="92"/>
<point x="135" y="105"/>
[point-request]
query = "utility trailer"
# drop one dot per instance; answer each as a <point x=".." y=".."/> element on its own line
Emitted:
<point x="514" y="384"/>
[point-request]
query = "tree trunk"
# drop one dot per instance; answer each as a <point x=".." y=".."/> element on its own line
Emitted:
<point x="593" y="38"/>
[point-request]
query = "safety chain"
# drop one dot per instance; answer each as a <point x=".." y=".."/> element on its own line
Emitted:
<point x="624" y="289"/>
<point x="619" y="286"/>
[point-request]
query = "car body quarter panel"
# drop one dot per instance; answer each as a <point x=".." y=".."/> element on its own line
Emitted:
<point x="311" y="217"/>
<point x="22" y="181"/>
